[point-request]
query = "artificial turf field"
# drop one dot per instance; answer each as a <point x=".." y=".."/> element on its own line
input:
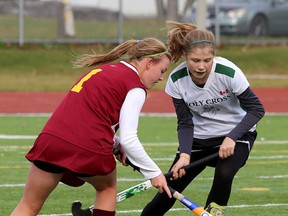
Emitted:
<point x="259" y="189"/>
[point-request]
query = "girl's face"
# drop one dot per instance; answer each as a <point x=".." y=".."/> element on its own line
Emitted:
<point x="199" y="63"/>
<point x="154" y="71"/>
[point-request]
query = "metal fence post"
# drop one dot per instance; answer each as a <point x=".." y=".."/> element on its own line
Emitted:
<point x="120" y="22"/>
<point x="217" y="26"/>
<point x="21" y="23"/>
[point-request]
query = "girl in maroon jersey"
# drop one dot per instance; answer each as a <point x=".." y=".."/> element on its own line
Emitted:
<point x="75" y="146"/>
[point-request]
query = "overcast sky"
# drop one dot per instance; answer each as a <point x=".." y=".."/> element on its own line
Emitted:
<point x="130" y="7"/>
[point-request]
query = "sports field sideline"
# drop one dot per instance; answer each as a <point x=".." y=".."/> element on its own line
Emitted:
<point x="275" y="100"/>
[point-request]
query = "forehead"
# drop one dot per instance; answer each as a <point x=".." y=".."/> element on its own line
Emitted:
<point x="206" y="52"/>
<point x="164" y="60"/>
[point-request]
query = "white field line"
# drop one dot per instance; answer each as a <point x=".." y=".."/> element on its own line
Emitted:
<point x="273" y="177"/>
<point x="6" y="136"/>
<point x="142" y="114"/>
<point x="118" y="180"/>
<point x="33" y="137"/>
<point x="141" y="180"/>
<point x="185" y="209"/>
<point x="159" y="159"/>
<point x="12" y="185"/>
<point x="26" y="114"/>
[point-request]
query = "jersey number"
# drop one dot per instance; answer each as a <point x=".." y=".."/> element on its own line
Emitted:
<point x="77" y="88"/>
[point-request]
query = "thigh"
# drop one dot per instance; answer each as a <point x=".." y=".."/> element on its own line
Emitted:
<point x="39" y="185"/>
<point x="102" y="182"/>
<point x="229" y="167"/>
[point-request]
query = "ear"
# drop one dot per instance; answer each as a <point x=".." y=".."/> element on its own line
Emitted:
<point x="149" y="63"/>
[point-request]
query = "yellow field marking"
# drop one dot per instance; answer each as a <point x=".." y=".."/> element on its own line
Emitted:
<point x="255" y="189"/>
<point x="269" y="151"/>
<point x="13" y="167"/>
<point x="269" y="162"/>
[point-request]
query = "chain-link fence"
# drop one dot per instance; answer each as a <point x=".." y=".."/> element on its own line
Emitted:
<point x="59" y="21"/>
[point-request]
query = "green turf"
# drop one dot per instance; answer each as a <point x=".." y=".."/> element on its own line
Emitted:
<point x="269" y="158"/>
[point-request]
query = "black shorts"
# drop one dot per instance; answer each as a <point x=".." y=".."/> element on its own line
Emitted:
<point x="51" y="168"/>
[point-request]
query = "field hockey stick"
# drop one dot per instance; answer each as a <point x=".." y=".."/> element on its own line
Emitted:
<point x="199" y="211"/>
<point x="121" y="196"/>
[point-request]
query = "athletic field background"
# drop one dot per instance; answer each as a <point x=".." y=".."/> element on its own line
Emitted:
<point x="31" y="77"/>
<point x="260" y="188"/>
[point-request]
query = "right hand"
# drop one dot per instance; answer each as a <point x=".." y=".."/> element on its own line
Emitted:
<point x="160" y="183"/>
<point x="177" y="170"/>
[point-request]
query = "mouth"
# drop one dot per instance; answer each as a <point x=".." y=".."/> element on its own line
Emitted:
<point x="199" y="73"/>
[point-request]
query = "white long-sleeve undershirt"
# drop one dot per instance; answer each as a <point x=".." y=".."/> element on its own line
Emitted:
<point x="128" y="125"/>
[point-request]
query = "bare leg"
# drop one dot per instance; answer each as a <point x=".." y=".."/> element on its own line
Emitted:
<point x="106" y="190"/>
<point x="38" y="187"/>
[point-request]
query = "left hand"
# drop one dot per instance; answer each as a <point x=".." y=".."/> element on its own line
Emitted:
<point x="227" y="148"/>
<point x="120" y="154"/>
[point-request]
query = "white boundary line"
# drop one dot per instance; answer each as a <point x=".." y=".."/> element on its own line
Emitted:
<point x="142" y="114"/>
<point x="185" y="209"/>
<point x="26" y="114"/>
<point x="6" y="136"/>
<point x="141" y="180"/>
<point x="9" y="136"/>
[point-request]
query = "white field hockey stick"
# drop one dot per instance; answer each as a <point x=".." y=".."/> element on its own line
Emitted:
<point x="121" y="196"/>
<point x="199" y="211"/>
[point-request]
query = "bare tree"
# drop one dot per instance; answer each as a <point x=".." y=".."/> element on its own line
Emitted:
<point x="172" y="10"/>
<point x="188" y="6"/>
<point x="161" y="12"/>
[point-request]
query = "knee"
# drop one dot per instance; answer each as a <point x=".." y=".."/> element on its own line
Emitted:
<point x="225" y="174"/>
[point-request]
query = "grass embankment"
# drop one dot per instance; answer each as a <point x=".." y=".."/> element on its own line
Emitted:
<point x="49" y="68"/>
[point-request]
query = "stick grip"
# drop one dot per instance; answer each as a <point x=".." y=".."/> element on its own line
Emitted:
<point x="186" y="168"/>
<point x="194" y="164"/>
<point x="199" y="211"/>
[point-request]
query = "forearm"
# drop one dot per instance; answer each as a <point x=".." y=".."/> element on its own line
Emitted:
<point x="185" y="138"/>
<point x="185" y="126"/>
<point x="128" y="125"/>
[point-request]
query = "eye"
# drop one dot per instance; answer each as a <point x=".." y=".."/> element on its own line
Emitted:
<point x="163" y="71"/>
<point x="195" y="60"/>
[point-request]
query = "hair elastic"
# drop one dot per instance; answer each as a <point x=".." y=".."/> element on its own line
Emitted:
<point x="154" y="55"/>
<point x="138" y="41"/>
<point x="201" y="41"/>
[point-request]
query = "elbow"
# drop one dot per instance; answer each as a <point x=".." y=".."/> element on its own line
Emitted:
<point x="126" y="139"/>
<point x="261" y="112"/>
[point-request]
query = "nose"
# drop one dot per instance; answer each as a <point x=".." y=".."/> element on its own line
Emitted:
<point x="161" y="77"/>
<point x="201" y="66"/>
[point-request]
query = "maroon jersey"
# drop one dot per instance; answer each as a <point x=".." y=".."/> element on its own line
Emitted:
<point x="87" y="114"/>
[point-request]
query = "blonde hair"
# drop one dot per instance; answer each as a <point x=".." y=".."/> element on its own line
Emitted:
<point x="183" y="37"/>
<point x="129" y="50"/>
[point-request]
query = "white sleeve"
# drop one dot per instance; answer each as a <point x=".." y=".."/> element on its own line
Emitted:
<point x="128" y="125"/>
<point x="171" y="87"/>
<point x="240" y="82"/>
